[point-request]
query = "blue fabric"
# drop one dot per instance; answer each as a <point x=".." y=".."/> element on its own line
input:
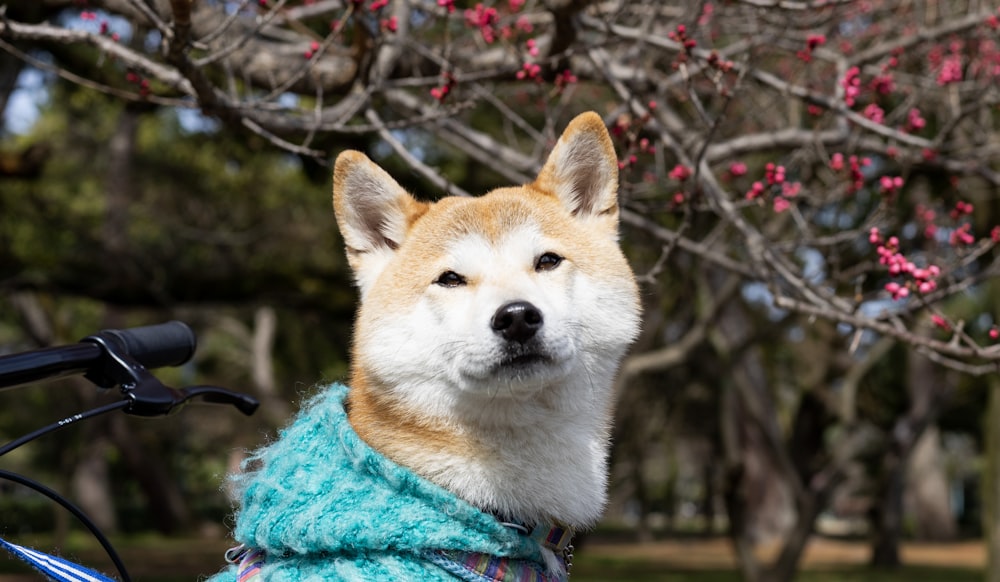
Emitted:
<point x="54" y="568"/>
<point x="325" y="506"/>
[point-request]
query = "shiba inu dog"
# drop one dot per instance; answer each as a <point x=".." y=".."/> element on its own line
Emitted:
<point x="490" y="329"/>
<point x="474" y="436"/>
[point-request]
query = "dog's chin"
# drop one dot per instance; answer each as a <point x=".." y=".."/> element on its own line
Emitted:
<point x="516" y="374"/>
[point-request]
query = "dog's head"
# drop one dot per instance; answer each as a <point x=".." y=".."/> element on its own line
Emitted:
<point x="473" y="302"/>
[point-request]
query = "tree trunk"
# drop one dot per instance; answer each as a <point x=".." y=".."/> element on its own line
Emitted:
<point x="708" y="505"/>
<point x="643" y="531"/>
<point x="166" y="504"/>
<point x="91" y="486"/>
<point x="928" y="490"/>
<point x="991" y="482"/>
<point x="924" y="384"/>
<point x="887" y="518"/>
<point x="734" y="489"/>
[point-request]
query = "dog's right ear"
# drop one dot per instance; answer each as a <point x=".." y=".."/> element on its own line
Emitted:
<point x="374" y="214"/>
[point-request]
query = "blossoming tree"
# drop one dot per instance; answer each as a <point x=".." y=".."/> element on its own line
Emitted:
<point x="823" y="162"/>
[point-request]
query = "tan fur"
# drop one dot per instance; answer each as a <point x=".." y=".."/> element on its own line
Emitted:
<point x="477" y="441"/>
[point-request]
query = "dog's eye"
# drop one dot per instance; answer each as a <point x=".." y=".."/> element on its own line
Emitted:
<point x="547" y="262"/>
<point x="450" y="279"/>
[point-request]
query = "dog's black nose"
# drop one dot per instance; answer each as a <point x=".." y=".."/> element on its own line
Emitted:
<point x="517" y="321"/>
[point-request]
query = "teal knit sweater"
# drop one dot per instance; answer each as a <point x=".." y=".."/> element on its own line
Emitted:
<point x="324" y="505"/>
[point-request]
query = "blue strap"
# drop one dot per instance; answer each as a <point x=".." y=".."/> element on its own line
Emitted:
<point x="53" y="567"/>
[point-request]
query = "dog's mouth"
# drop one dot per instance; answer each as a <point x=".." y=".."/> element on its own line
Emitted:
<point x="521" y="358"/>
<point x="524" y="360"/>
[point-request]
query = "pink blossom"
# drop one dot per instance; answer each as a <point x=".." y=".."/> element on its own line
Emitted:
<point x="875" y="113"/>
<point x="680" y="173"/>
<point x="706" y="14"/>
<point x="926" y="278"/>
<point x="951" y="70"/>
<point x="925" y="214"/>
<point x="815" y="40"/>
<point x="756" y="191"/>
<point x="791" y="189"/>
<point x="378" y="5"/>
<point x="940" y="322"/>
<point x="812" y="41"/>
<point x="856" y="176"/>
<point x="961" y="236"/>
<point x="995" y="234"/>
<point x="679" y="34"/>
<point x="529" y="71"/>
<point x="532" y="47"/>
<point x="313" y="47"/>
<point x="566" y="78"/>
<point x="873" y="236"/>
<point x="485" y="19"/>
<point x="994" y="333"/>
<point x="837" y="161"/>
<point x="774" y="174"/>
<point x="914" y="121"/>
<point x="737" y="169"/>
<point x="961" y="208"/>
<point x="883" y="84"/>
<point x="449" y="4"/>
<point x="515" y="5"/>
<point x="852" y="85"/>
<point x="896" y="290"/>
<point x="781" y="204"/>
<point x="439" y="93"/>
<point x="890" y="185"/>
<point x="391" y="24"/>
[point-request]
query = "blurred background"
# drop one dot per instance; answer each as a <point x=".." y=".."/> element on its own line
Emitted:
<point x="797" y="407"/>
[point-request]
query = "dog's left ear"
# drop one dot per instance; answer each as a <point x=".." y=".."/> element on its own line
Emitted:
<point x="582" y="170"/>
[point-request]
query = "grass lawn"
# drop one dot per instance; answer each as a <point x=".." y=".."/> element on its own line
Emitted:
<point x="152" y="559"/>
<point x="610" y="570"/>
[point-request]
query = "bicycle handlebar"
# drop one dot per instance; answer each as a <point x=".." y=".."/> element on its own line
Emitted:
<point x="153" y="346"/>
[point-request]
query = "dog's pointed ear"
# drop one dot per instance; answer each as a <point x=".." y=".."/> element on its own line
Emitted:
<point x="374" y="214"/>
<point x="582" y="170"/>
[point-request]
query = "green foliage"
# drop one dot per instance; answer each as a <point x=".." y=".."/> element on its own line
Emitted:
<point x="213" y="226"/>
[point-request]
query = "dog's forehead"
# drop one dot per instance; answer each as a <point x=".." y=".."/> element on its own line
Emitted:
<point x="492" y="217"/>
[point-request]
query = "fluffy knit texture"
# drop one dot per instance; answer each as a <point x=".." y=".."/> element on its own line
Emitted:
<point x="326" y="506"/>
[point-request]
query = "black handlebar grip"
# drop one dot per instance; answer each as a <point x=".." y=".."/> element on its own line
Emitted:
<point x="155" y="346"/>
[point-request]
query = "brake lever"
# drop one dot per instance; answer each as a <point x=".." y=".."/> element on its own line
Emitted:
<point x="214" y="395"/>
<point x="148" y="396"/>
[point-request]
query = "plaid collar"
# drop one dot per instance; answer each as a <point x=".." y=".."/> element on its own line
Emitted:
<point x="479" y="567"/>
<point x="555" y="537"/>
<point x="468" y="566"/>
